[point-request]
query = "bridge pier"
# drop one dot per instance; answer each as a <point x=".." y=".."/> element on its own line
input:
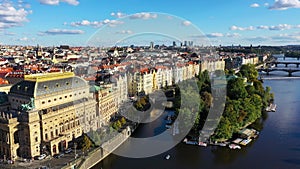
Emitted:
<point x="286" y="65"/>
<point x="290" y="73"/>
<point x="298" y="65"/>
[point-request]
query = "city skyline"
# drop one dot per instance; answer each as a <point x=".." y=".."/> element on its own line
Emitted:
<point x="74" y="22"/>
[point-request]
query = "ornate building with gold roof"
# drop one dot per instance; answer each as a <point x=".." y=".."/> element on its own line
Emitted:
<point x="45" y="113"/>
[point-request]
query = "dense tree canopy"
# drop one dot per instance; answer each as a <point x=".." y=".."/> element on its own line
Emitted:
<point x="244" y="104"/>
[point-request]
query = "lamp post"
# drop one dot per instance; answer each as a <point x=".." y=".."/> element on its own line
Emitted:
<point x="75" y="145"/>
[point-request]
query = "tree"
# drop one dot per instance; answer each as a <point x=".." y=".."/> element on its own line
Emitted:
<point x="118" y="124"/>
<point x="123" y="120"/>
<point x="236" y="89"/>
<point x="87" y="143"/>
<point x="249" y="72"/>
<point x="207" y="98"/>
<point x="224" y="129"/>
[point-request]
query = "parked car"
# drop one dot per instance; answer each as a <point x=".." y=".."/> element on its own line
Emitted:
<point x="42" y="156"/>
<point x="58" y="155"/>
<point x="67" y="151"/>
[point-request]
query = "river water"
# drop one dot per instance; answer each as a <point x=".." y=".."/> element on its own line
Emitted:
<point x="277" y="147"/>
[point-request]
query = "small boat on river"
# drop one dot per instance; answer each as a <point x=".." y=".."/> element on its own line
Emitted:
<point x="168" y="157"/>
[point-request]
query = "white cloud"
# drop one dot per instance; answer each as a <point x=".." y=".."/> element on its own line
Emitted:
<point x="143" y="15"/>
<point x="233" y="35"/>
<point x="11" y="16"/>
<point x="263" y="27"/>
<point x="250" y="28"/>
<point x="97" y="24"/>
<point x="24" y="39"/>
<point x="61" y="32"/>
<point x="280" y="27"/>
<point x="112" y="23"/>
<point x="186" y="23"/>
<point x="125" y="32"/>
<point x="285" y="4"/>
<point x="266" y="4"/>
<point x="215" y="35"/>
<point x="118" y="14"/>
<point x="255" y="5"/>
<point x="292" y="38"/>
<point x="87" y="23"/>
<point x="56" y="2"/>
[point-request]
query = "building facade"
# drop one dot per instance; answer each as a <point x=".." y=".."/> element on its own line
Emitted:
<point x="46" y="112"/>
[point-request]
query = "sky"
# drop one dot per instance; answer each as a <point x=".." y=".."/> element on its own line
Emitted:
<point x="121" y="22"/>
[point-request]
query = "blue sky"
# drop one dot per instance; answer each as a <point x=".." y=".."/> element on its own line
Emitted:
<point x="81" y="22"/>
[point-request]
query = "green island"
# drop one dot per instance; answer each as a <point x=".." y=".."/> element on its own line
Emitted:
<point x="246" y="99"/>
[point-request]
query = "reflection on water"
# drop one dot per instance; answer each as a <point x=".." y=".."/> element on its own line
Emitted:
<point x="276" y="147"/>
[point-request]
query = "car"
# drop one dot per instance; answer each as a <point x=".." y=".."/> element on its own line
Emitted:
<point x="67" y="151"/>
<point x="58" y="155"/>
<point x="41" y="157"/>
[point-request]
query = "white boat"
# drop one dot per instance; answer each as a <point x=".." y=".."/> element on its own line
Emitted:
<point x="234" y="146"/>
<point x="168" y="157"/>
<point x="273" y="107"/>
<point x="202" y="144"/>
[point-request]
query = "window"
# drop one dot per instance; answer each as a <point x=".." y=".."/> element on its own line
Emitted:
<point x="45" y="87"/>
<point x="60" y="98"/>
<point x="67" y="83"/>
<point x="36" y="139"/>
<point x="49" y="101"/>
<point x="55" y="99"/>
<point x="66" y="96"/>
<point x="57" y="85"/>
<point x="26" y="88"/>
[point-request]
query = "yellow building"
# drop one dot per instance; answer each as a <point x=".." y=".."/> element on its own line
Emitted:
<point x="46" y="112"/>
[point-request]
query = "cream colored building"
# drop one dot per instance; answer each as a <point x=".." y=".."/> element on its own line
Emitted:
<point x="107" y="102"/>
<point x="212" y="65"/>
<point x="250" y="60"/>
<point x="46" y="112"/>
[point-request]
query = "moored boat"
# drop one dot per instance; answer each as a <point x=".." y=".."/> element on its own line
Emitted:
<point x="203" y="144"/>
<point x="168" y="157"/>
<point x="234" y="146"/>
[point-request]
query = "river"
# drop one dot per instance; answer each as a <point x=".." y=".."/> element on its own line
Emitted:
<point x="277" y="147"/>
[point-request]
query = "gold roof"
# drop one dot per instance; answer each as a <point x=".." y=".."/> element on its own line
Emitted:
<point x="42" y="77"/>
